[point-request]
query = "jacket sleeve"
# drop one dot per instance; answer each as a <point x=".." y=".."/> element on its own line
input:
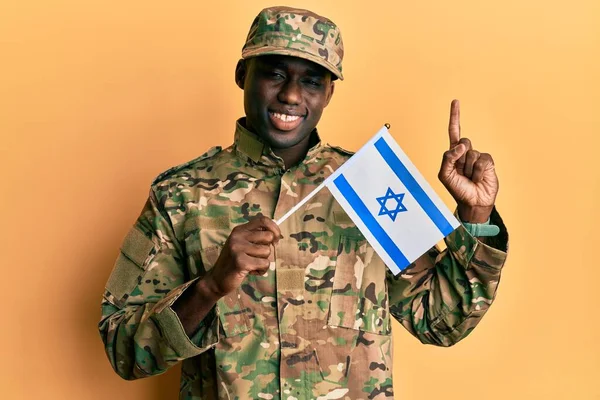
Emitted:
<point x="142" y="334"/>
<point x="443" y="295"/>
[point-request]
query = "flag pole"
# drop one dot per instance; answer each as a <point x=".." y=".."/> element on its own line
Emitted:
<point x="302" y="202"/>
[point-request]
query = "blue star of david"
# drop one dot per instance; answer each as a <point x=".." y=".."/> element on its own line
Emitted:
<point x="389" y="195"/>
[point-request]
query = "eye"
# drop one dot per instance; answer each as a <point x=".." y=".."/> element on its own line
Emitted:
<point x="276" y="75"/>
<point x="313" y="82"/>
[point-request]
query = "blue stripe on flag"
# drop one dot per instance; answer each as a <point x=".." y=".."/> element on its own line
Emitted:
<point x="372" y="225"/>
<point x="413" y="187"/>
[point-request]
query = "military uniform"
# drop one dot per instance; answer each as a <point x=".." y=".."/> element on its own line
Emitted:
<point x="317" y="324"/>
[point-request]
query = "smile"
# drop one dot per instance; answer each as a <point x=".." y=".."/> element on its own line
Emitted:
<point x="285" y="122"/>
<point x="285" y="117"/>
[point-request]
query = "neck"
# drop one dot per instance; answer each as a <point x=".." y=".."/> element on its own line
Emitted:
<point x="295" y="154"/>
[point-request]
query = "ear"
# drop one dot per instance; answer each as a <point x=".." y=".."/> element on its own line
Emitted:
<point x="330" y="92"/>
<point x="240" y="73"/>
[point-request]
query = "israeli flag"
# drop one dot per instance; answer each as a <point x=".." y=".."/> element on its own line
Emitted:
<point x="390" y="202"/>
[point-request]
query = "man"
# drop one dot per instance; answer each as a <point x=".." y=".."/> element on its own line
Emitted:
<point x="302" y="310"/>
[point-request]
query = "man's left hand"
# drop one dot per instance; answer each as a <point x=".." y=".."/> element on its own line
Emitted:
<point x="469" y="175"/>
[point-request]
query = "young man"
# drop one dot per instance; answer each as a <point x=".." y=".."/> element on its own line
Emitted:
<point x="302" y="310"/>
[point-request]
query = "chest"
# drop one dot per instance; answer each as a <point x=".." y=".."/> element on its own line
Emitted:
<point x="323" y="270"/>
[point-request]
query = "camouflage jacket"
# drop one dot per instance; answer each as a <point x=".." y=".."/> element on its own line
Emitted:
<point x="317" y="325"/>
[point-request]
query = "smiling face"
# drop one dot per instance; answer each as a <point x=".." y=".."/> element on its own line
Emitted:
<point x="284" y="98"/>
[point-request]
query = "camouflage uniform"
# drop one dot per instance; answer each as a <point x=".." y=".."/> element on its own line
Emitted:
<point x="317" y="324"/>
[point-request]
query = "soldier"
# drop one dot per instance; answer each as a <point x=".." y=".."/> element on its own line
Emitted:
<point x="302" y="310"/>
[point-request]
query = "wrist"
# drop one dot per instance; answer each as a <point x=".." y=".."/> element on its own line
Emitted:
<point x="474" y="214"/>
<point x="208" y="288"/>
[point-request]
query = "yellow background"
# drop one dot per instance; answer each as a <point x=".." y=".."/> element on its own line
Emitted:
<point x="98" y="97"/>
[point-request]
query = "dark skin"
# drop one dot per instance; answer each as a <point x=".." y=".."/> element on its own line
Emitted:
<point x="301" y="89"/>
<point x="286" y="85"/>
<point x="469" y="176"/>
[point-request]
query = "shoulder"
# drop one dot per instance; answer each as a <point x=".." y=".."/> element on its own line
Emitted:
<point x="338" y="152"/>
<point x="210" y="157"/>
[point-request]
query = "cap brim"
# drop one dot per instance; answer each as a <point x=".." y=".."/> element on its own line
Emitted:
<point x="272" y="50"/>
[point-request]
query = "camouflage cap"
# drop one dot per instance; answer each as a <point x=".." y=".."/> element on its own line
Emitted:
<point x="299" y="33"/>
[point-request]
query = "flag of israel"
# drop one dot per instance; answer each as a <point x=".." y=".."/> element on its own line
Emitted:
<point x="389" y="201"/>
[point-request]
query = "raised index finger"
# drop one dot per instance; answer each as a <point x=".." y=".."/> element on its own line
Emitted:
<point x="454" y="125"/>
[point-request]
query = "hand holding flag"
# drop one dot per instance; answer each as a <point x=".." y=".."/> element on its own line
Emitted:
<point x="469" y="175"/>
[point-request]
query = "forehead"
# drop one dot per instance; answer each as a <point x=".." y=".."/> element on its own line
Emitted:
<point x="290" y="63"/>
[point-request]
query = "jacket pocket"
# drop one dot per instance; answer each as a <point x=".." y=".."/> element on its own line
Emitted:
<point x="359" y="298"/>
<point x="201" y="234"/>
<point x="233" y="313"/>
<point x="136" y="254"/>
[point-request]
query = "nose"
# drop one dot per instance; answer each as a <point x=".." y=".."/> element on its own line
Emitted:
<point x="290" y="93"/>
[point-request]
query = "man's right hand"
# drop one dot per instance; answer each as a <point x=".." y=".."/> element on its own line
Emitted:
<point x="246" y="251"/>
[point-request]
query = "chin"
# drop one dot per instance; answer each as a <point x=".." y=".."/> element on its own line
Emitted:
<point x="283" y="140"/>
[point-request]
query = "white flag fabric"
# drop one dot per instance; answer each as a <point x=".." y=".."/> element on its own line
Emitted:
<point x="390" y="202"/>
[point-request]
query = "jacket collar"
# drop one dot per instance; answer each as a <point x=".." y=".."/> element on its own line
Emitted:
<point x="251" y="148"/>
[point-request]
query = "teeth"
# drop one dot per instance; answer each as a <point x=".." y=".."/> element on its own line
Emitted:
<point x="285" y="117"/>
